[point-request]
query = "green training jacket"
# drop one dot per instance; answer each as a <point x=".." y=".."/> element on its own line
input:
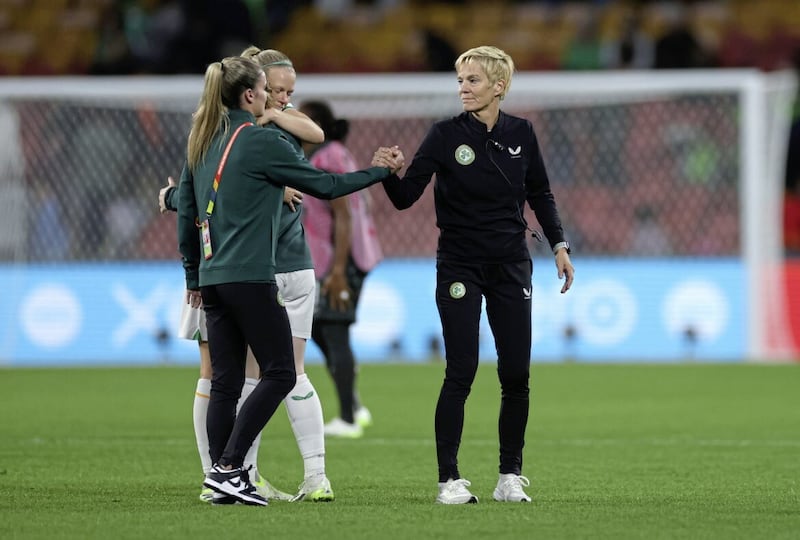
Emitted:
<point x="292" y="253"/>
<point x="246" y="217"/>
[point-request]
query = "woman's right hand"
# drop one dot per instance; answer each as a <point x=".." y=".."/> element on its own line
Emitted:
<point x="391" y="158"/>
<point x="291" y="197"/>
<point x="162" y="195"/>
<point x="193" y="298"/>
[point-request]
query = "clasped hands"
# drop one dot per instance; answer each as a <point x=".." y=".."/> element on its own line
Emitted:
<point x="392" y="158"/>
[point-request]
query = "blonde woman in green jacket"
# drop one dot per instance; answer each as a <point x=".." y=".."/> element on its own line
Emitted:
<point x="227" y="231"/>
<point x="294" y="273"/>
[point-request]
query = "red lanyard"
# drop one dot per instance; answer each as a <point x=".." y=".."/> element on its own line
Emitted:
<point x="218" y="177"/>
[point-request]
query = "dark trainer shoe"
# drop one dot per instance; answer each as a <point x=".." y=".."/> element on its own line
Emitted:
<point x="235" y="483"/>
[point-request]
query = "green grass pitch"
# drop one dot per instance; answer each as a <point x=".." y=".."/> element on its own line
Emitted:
<point x="613" y="451"/>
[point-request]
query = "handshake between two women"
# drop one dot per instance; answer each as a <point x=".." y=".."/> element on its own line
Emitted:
<point x="391" y="158"/>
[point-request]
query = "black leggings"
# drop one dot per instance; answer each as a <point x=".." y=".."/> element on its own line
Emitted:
<point x="237" y="315"/>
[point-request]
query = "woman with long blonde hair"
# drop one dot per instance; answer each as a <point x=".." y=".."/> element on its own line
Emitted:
<point x="229" y="207"/>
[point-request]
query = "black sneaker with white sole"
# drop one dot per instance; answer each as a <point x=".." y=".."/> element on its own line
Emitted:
<point x="235" y="483"/>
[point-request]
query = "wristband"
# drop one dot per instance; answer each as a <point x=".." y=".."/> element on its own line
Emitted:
<point x="560" y="245"/>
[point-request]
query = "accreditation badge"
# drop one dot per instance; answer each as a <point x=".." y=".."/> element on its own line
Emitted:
<point x="205" y="235"/>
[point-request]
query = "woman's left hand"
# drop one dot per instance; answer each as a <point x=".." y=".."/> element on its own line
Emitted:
<point x="337" y="291"/>
<point x="565" y="269"/>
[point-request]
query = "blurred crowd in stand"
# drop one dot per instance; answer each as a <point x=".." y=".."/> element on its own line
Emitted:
<point x="183" y="36"/>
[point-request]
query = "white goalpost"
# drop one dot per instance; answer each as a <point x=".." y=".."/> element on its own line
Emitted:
<point x="657" y="170"/>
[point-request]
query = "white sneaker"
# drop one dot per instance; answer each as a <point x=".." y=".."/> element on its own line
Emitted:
<point x="339" y="428"/>
<point x="363" y="417"/>
<point x="455" y="492"/>
<point x="316" y="488"/>
<point x="509" y="488"/>
<point x="267" y="490"/>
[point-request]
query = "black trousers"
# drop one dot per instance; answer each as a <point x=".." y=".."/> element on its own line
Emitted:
<point x="460" y="288"/>
<point x="237" y="315"/>
<point x="333" y="339"/>
<point x="331" y="332"/>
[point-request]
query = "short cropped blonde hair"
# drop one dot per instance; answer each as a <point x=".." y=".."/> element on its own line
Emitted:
<point x="497" y="65"/>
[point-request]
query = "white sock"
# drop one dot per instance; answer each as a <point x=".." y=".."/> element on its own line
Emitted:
<point x="199" y="414"/>
<point x="305" y="415"/>
<point x="252" y="454"/>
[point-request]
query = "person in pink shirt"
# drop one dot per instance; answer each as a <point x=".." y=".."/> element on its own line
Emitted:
<point x="344" y="247"/>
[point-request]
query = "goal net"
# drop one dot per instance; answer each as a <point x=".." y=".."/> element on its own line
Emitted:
<point x="671" y="167"/>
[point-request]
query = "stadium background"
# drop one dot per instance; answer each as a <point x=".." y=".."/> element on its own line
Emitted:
<point x="650" y="188"/>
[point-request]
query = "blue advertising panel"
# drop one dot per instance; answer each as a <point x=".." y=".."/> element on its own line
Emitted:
<point x="617" y="311"/>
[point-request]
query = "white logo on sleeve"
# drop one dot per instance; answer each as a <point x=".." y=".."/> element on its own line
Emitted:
<point x="515" y="151"/>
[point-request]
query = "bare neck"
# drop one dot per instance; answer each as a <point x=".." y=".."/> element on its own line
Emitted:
<point x="488" y="115"/>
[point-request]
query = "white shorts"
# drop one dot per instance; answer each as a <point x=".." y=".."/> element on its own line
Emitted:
<point x="193" y="323"/>
<point x="298" y="290"/>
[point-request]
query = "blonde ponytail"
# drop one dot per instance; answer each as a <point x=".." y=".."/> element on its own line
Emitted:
<point x="223" y="86"/>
